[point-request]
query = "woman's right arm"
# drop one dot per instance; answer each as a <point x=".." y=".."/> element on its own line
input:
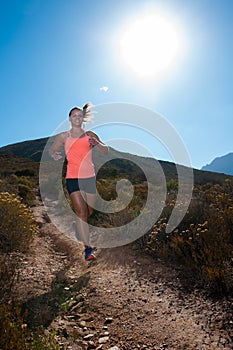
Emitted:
<point x="54" y="151"/>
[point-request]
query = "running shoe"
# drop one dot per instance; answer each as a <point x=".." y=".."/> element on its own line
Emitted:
<point x="89" y="253"/>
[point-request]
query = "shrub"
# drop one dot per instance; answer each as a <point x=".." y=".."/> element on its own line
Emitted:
<point x="7" y="276"/>
<point x="203" y="241"/>
<point x="172" y="185"/>
<point x="15" y="334"/>
<point x="27" y="194"/>
<point x="24" y="180"/>
<point x="17" y="225"/>
<point x="117" y="195"/>
<point x="8" y="186"/>
<point x="26" y="172"/>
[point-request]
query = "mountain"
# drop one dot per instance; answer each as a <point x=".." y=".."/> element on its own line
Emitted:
<point x="222" y="164"/>
<point x="31" y="149"/>
<point x="115" y="163"/>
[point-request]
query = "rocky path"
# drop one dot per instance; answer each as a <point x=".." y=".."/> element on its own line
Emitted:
<point x="125" y="300"/>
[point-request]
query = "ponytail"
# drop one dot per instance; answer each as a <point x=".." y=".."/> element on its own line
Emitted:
<point x="87" y="112"/>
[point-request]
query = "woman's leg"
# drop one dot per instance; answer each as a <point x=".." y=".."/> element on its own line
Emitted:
<point x="81" y="210"/>
<point x="90" y="199"/>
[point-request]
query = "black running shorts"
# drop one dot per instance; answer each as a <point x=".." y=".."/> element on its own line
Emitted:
<point x="87" y="185"/>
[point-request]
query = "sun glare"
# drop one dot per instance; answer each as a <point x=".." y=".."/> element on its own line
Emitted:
<point x="150" y="45"/>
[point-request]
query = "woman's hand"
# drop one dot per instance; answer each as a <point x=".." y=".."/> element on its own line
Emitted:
<point x="93" y="141"/>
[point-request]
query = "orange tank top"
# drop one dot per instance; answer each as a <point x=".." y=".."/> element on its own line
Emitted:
<point x="79" y="157"/>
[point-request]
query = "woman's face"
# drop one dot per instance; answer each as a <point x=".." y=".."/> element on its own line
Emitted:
<point x="76" y="117"/>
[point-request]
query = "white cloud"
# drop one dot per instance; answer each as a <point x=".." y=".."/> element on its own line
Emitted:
<point x="104" y="88"/>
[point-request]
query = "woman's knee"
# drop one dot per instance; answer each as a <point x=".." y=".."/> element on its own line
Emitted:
<point x="81" y="213"/>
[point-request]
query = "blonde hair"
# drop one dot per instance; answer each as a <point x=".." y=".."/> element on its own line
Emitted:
<point x="86" y="110"/>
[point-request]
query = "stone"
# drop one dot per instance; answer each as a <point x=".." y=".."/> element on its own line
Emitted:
<point x="105" y="334"/>
<point x="88" y="336"/>
<point x="91" y="345"/>
<point x="108" y="320"/>
<point x="82" y="324"/>
<point x="87" y="318"/>
<point x="103" y="340"/>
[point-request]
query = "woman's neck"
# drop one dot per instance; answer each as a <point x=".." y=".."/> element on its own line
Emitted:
<point x="76" y="131"/>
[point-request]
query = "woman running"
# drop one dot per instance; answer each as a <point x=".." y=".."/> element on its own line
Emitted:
<point x="80" y="174"/>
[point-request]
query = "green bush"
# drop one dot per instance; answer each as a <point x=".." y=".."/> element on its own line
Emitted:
<point x="172" y="185"/>
<point x="17" y="225"/>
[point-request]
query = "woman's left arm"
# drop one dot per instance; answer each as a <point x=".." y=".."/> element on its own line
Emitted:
<point x="96" y="142"/>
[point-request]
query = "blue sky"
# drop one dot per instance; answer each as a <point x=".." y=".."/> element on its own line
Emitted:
<point x="55" y="54"/>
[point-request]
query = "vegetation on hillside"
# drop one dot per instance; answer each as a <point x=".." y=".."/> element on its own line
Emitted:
<point x="202" y="244"/>
<point x="19" y="176"/>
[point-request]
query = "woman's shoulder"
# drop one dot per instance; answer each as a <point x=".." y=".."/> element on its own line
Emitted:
<point x="63" y="135"/>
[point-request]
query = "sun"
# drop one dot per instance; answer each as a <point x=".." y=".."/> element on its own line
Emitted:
<point x="150" y="45"/>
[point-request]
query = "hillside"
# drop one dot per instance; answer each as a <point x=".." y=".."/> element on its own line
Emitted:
<point x="117" y="162"/>
<point x="222" y="164"/>
<point x="31" y="149"/>
<point x="125" y="300"/>
<point x="159" y="292"/>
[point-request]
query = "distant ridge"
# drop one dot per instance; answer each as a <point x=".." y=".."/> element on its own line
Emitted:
<point x="122" y="164"/>
<point x="31" y="149"/>
<point x="222" y="165"/>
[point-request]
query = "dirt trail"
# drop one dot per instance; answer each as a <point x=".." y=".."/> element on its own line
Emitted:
<point x="124" y="299"/>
